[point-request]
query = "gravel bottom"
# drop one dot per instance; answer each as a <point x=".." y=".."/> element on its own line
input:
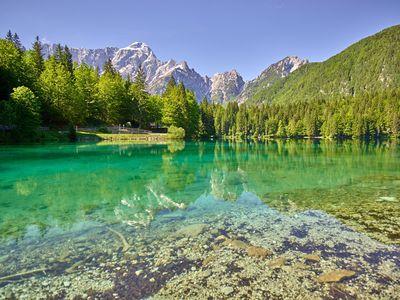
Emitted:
<point x="211" y="250"/>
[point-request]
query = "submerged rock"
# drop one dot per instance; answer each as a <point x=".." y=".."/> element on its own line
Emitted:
<point x="191" y="230"/>
<point x="258" y="252"/>
<point x="236" y="244"/>
<point x="277" y="262"/>
<point x="226" y="290"/>
<point x="335" y="276"/>
<point x="387" y="199"/>
<point x="312" y="257"/>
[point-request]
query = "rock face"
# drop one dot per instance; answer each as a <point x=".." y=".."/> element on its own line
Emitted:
<point x="273" y="73"/>
<point x="226" y="86"/>
<point x="92" y="57"/>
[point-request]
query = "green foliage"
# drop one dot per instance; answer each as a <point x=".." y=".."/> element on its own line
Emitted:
<point x="103" y="130"/>
<point x="59" y="106"/>
<point x="180" y="108"/>
<point x="361" y="116"/>
<point x="11" y="68"/>
<point x="206" y="124"/>
<point x="86" y="81"/>
<point x="111" y="96"/>
<point x="22" y="111"/>
<point x="38" y="56"/>
<point x="176" y="132"/>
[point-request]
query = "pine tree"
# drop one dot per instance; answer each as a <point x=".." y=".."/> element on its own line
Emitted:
<point x="59" y="53"/>
<point x="66" y="59"/>
<point x="38" y="56"/>
<point x="108" y="68"/>
<point x="170" y="87"/>
<point x="140" y="101"/>
<point x="17" y="42"/>
<point x="140" y="79"/>
<point x="9" y="36"/>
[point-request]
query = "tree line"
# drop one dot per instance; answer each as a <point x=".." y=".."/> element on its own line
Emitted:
<point x="54" y="92"/>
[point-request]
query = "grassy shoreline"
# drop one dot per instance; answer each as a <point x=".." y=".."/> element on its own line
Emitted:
<point x="91" y="136"/>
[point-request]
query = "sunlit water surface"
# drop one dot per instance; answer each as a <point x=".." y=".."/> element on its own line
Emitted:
<point x="137" y="221"/>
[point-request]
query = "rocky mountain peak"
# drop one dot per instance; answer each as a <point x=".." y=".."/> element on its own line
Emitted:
<point x="219" y="88"/>
<point x="271" y="74"/>
<point x="225" y="86"/>
<point x="290" y="64"/>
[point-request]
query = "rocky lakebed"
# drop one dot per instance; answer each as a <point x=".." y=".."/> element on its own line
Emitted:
<point x="211" y="249"/>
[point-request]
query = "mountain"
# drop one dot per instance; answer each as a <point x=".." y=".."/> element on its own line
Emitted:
<point x="369" y="66"/>
<point x="127" y="60"/>
<point x="270" y="75"/>
<point x="219" y="88"/>
<point x="225" y="86"/>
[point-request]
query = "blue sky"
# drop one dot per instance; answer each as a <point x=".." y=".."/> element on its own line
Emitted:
<point x="211" y="35"/>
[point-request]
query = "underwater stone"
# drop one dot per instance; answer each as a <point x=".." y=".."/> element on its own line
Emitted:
<point x="312" y="257"/>
<point x="387" y="199"/>
<point x="237" y="244"/>
<point x="227" y="290"/>
<point x="277" y="262"/>
<point x="191" y="230"/>
<point x="258" y="252"/>
<point x="335" y="276"/>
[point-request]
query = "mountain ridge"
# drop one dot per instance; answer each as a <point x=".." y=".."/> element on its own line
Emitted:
<point x="218" y="88"/>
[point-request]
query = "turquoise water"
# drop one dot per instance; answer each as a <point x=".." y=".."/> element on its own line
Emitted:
<point x="54" y="197"/>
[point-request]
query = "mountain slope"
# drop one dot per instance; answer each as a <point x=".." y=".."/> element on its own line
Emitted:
<point x="270" y="75"/>
<point x="370" y="65"/>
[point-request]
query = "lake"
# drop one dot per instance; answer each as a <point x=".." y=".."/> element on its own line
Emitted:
<point x="200" y="220"/>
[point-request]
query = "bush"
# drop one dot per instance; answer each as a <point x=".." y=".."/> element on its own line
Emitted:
<point x="176" y="132"/>
<point x="103" y="130"/>
<point x="26" y="110"/>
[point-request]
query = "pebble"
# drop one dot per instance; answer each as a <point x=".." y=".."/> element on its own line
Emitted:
<point x="226" y="290"/>
<point x="312" y="257"/>
<point x="258" y="252"/>
<point x="335" y="276"/>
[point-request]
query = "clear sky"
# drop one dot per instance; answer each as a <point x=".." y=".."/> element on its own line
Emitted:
<point x="211" y="35"/>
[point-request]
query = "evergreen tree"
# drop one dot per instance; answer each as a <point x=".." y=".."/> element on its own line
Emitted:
<point x="66" y="59"/>
<point x="38" y="56"/>
<point x="85" y="86"/>
<point x="108" y="68"/>
<point x="9" y="36"/>
<point x="59" y="53"/>
<point x="59" y="105"/>
<point x="17" y="42"/>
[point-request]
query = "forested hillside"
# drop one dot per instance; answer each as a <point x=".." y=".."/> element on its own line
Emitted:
<point x="369" y="66"/>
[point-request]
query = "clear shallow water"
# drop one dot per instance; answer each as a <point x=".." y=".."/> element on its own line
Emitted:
<point x="64" y="208"/>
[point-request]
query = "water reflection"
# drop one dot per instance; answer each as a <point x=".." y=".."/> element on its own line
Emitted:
<point x="61" y="185"/>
